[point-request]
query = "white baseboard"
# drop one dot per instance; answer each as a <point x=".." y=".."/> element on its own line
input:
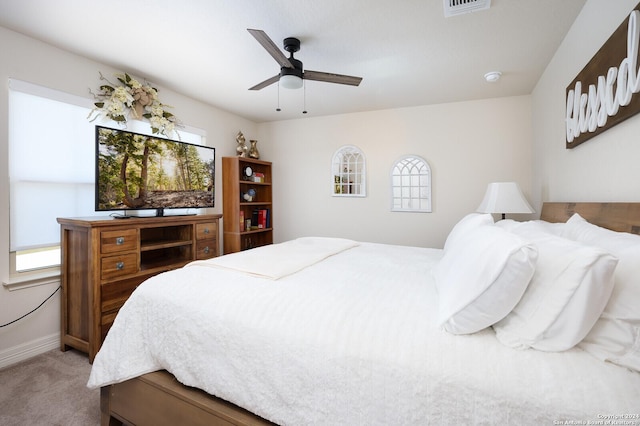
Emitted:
<point x="29" y="349"/>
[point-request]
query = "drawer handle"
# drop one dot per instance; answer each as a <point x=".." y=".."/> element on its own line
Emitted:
<point x="119" y="241"/>
<point x="120" y="266"/>
<point x="206" y="250"/>
<point x="206" y="230"/>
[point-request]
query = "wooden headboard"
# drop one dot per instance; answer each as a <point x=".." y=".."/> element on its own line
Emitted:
<point x="624" y="217"/>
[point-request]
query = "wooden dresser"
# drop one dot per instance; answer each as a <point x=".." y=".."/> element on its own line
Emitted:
<point x="104" y="259"/>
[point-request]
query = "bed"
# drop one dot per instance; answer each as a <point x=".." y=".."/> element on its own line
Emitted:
<point x="356" y="336"/>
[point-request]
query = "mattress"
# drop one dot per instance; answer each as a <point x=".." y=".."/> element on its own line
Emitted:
<point x="351" y="339"/>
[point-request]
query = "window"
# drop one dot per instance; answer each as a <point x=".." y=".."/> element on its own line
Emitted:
<point x="49" y="175"/>
<point x="51" y="169"/>
<point x="411" y="185"/>
<point x="348" y="171"/>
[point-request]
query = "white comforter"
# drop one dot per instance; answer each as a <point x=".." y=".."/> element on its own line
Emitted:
<point x="349" y="340"/>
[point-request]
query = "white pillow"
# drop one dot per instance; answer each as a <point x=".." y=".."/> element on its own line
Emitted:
<point x="481" y="278"/>
<point x="465" y="225"/>
<point x="568" y="292"/>
<point x="540" y="225"/>
<point x="616" y="335"/>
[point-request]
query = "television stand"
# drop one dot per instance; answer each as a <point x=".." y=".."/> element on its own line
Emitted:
<point x="160" y="213"/>
<point x="105" y="259"/>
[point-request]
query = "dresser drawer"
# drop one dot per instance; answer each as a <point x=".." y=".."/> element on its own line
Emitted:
<point x="206" y="230"/>
<point x="206" y="249"/>
<point x="118" y="266"/>
<point x="114" y="293"/>
<point x="118" y="241"/>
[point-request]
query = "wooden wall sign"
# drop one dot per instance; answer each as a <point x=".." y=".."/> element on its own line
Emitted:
<point x="605" y="92"/>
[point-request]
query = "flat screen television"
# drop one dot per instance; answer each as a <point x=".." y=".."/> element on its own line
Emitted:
<point x="140" y="172"/>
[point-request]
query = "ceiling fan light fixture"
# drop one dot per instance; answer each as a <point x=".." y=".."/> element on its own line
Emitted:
<point x="290" y="81"/>
<point x="291" y="70"/>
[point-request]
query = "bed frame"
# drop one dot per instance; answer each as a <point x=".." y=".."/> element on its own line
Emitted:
<point x="623" y="217"/>
<point x="159" y="399"/>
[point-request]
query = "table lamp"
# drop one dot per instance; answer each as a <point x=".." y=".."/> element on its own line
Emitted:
<point x="504" y="197"/>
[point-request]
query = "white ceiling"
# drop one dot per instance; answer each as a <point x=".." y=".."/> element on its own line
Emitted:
<point x="407" y="52"/>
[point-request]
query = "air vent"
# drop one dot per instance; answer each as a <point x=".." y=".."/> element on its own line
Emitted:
<point x="459" y="7"/>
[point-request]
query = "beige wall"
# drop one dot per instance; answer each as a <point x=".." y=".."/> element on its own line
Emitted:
<point x="467" y="144"/>
<point x="605" y="168"/>
<point x="35" y="62"/>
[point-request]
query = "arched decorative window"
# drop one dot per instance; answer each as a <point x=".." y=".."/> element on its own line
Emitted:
<point x="348" y="172"/>
<point x="411" y="185"/>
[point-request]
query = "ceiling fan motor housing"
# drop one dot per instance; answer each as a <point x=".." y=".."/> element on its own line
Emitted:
<point x="291" y="44"/>
<point x="296" y="70"/>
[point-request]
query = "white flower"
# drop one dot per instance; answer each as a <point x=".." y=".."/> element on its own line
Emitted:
<point x="157" y="109"/>
<point x="135" y="84"/>
<point x="120" y="102"/>
<point x="157" y="123"/>
<point x="122" y="94"/>
<point x="115" y="108"/>
<point x="152" y="92"/>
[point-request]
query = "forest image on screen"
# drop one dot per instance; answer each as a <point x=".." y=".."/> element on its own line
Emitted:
<point x="135" y="171"/>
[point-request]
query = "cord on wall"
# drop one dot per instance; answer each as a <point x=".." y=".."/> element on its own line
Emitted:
<point x="32" y="311"/>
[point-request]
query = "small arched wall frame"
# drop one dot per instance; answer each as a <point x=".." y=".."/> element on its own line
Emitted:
<point x="348" y="169"/>
<point x="411" y="185"/>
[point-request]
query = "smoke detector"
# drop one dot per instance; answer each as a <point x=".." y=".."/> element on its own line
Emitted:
<point x="492" y="76"/>
<point x="459" y="7"/>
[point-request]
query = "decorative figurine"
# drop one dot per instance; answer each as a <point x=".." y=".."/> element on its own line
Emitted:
<point x="253" y="151"/>
<point x="241" y="149"/>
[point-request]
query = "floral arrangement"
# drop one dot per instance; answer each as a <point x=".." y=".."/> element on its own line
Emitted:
<point x="132" y="98"/>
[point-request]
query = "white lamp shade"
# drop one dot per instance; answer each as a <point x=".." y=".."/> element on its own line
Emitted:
<point x="290" y="81"/>
<point x="504" y="197"/>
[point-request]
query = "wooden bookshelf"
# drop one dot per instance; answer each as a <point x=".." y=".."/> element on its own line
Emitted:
<point x="237" y="208"/>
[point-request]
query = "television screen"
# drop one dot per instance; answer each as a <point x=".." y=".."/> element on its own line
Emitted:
<point x="137" y="172"/>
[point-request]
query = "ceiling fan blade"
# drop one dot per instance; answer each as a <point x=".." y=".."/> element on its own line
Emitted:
<point x="271" y="47"/>
<point x="266" y="83"/>
<point x="332" y="78"/>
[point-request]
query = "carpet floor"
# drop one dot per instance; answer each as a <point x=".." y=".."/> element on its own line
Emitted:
<point x="49" y="389"/>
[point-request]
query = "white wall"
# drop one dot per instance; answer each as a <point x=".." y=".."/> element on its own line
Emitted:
<point x="29" y="60"/>
<point x="605" y="168"/>
<point x="467" y="144"/>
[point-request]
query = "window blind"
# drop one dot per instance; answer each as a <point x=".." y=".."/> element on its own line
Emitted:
<point x="52" y="161"/>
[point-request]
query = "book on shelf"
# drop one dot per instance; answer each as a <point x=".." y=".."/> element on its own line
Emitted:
<point x="262" y="219"/>
<point x="254" y="219"/>
<point x="268" y="218"/>
<point x="241" y="221"/>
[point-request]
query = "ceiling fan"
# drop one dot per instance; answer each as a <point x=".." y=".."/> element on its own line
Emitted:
<point x="291" y="71"/>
